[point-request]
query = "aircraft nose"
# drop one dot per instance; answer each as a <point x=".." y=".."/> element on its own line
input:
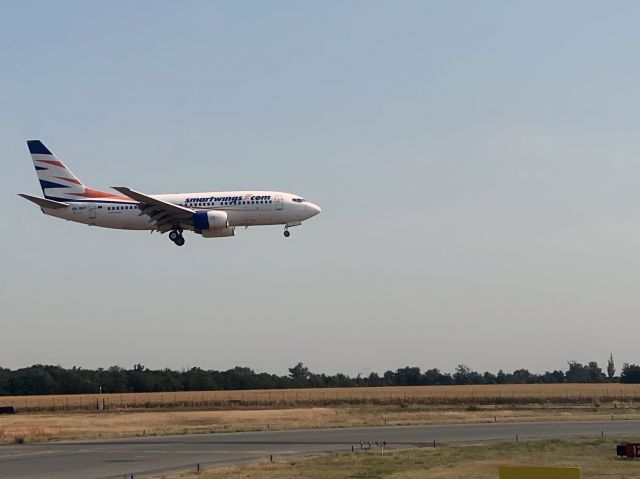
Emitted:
<point x="313" y="209"/>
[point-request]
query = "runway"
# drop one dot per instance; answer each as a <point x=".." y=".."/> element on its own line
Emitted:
<point x="148" y="456"/>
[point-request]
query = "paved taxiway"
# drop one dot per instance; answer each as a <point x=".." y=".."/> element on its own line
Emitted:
<point x="146" y="456"/>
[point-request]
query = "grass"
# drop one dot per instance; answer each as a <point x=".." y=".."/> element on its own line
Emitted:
<point x="45" y="426"/>
<point x="282" y="398"/>
<point x="595" y="457"/>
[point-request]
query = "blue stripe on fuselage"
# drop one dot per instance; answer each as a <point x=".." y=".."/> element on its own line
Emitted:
<point x="67" y="200"/>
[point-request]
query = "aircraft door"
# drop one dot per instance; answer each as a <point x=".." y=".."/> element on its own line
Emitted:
<point x="92" y="212"/>
<point x="279" y="202"/>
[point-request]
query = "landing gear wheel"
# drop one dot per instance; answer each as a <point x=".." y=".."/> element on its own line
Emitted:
<point x="179" y="240"/>
<point x="174" y="235"/>
<point x="287" y="233"/>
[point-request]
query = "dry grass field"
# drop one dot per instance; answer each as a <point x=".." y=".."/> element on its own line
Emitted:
<point x="274" y="398"/>
<point x="595" y="457"/>
<point x="43" y="418"/>
<point x="45" y="426"/>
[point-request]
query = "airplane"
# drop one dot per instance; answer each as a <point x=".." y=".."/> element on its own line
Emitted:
<point x="210" y="214"/>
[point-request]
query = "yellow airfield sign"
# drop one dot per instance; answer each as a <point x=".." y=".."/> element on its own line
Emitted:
<point x="510" y="472"/>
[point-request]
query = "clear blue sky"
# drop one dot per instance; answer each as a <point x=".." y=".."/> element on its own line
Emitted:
<point x="477" y="164"/>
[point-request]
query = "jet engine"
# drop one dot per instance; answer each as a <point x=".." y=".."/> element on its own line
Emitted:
<point x="210" y="220"/>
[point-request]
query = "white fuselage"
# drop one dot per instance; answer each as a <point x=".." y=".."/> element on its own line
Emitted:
<point x="243" y="208"/>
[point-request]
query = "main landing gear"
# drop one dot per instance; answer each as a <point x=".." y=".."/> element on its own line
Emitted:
<point x="286" y="233"/>
<point x="176" y="237"/>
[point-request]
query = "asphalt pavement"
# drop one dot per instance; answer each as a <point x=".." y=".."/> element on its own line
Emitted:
<point x="149" y="456"/>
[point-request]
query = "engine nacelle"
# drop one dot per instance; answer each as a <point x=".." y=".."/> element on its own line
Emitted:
<point x="230" y="231"/>
<point x="210" y="220"/>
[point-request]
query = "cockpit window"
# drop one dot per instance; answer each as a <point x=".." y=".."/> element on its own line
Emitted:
<point x="298" y="200"/>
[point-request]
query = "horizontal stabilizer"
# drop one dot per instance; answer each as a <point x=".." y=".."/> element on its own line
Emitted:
<point x="44" y="203"/>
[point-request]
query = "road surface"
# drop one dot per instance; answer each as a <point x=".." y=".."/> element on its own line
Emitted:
<point x="149" y="456"/>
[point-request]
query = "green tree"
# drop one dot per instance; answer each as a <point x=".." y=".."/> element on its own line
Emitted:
<point x="299" y="371"/>
<point x="630" y="374"/>
<point x="408" y="376"/>
<point x="611" y="368"/>
<point x="579" y="373"/>
<point x="522" y="376"/>
<point x="462" y="374"/>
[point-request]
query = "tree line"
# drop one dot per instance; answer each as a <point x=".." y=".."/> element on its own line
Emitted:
<point x="47" y="379"/>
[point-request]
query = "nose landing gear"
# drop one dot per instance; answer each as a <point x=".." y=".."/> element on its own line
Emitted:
<point x="176" y="237"/>
<point x="287" y="233"/>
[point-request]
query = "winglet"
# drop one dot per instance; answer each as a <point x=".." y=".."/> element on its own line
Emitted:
<point x="122" y="189"/>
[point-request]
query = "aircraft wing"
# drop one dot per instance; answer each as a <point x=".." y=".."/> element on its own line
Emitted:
<point x="163" y="214"/>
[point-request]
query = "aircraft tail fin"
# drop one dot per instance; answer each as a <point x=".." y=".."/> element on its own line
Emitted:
<point x="58" y="182"/>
